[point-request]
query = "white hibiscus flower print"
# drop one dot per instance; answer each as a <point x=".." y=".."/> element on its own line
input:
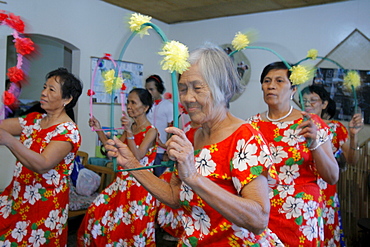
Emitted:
<point x="321" y="136"/>
<point x="285" y="190"/>
<point x="99" y="200"/>
<point x="204" y="163"/>
<point x="37" y="238"/>
<point x="245" y="155"/>
<point x="188" y="225"/>
<point x="281" y="125"/>
<point x="278" y="154"/>
<point x="75" y="136"/>
<point x="52" y="220"/>
<point x="5" y="243"/>
<point x="321" y="183"/>
<point x="70" y="125"/>
<point x="288" y="173"/>
<point x="140" y="211"/>
<point x="106" y="217"/>
<point x="59" y="228"/>
<point x="330" y="216"/>
<point x="163" y="217"/>
<point x="150" y="229"/>
<point x="32" y="193"/>
<point x="186" y="193"/>
<point x="6" y="209"/>
<point x="69" y="158"/>
<point x="337" y="233"/>
<point x="19" y="231"/>
<point x="27" y="143"/>
<point x="18" y="169"/>
<point x="240" y="232"/>
<point x="309" y="209"/>
<point x="16" y="189"/>
<point x="139" y="241"/>
<point x="201" y="220"/>
<point x="291" y="137"/>
<point x="96" y="231"/>
<point x="292" y="207"/>
<point x="237" y="184"/>
<point x="310" y="230"/>
<point x="52" y="177"/>
<point x="27" y="130"/>
<point x="3" y="200"/>
<point x="265" y="156"/>
<point x="126" y="218"/>
<point x="60" y="129"/>
<point x="144" y="161"/>
<point x="118" y="214"/>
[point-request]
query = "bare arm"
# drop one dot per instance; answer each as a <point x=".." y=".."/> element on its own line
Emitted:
<point x="350" y="147"/>
<point x="326" y="164"/>
<point x="40" y="163"/>
<point x="250" y="210"/>
<point x="168" y="193"/>
<point x="12" y="126"/>
<point x="142" y="150"/>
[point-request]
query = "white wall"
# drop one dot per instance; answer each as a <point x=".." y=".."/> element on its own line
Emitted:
<point x="96" y="27"/>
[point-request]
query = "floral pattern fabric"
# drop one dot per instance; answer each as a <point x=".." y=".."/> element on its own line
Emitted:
<point x="333" y="231"/>
<point x="124" y="212"/>
<point x="231" y="163"/>
<point x="34" y="207"/>
<point x="296" y="203"/>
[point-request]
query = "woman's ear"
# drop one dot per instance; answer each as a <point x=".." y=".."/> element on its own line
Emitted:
<point x="325" y="104"/>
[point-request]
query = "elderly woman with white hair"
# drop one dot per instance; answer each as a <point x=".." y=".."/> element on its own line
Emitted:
<point x="221" y="173"/>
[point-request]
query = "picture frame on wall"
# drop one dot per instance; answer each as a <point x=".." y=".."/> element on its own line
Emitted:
<point x="332" y="81"/>
<point x="131" y="72"/>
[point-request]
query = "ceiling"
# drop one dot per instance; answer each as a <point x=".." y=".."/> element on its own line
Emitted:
<point x="175" y="11"/>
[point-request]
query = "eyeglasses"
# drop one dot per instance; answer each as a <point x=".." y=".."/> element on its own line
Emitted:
<point x="310" y="101"/>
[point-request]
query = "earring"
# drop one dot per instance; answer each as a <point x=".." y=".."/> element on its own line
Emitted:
<point x="64" y="104"/>
<point x="291" y="97"/>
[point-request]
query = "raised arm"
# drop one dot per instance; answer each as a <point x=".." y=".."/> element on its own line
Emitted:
<point x="250" y="210"/>
<point x="351" y="147"/>
<point x="322" y="154"/>
<point x="168" y="193"/>
<point x="40" y="163"/>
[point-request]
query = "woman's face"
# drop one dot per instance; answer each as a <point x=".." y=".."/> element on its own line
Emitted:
<point x="51" y="95"/>
<point x="313" y="103"/>
<point x="135" y="107"/>
<point x="276" y="87"/>
<point x="196" y="96"/>
<point x="150" y="86"/>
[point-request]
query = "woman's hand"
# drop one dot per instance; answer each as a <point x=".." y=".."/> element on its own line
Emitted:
<point x="356" y="124"/>
<point x="180" y="149"/>
<point x="93" y="122"/>
<point x="126" y="122"/>
<point x="309" y="129"/>
<point x="117" y="149"/>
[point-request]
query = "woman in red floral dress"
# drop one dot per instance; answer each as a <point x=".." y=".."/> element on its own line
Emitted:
<point x="124" y="213"/>
<point x="296" y="203"/>
<point x="221" y="179"/>
<point x="317" y="100"/>
<point x="34" y="207"/>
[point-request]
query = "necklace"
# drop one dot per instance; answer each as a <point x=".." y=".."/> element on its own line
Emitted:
<point x="138" y="128"/>
<point x="275" y="120"/>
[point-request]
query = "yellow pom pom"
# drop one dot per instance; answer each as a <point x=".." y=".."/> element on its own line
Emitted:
<point x="352" y="78"/>
<point x="136" y="21"/>
<point x="312" y="54"/>
<point x="176" y="57"/>
<point x="300" y="74"/>
<point x="111" y="82"/>
<point x="240" y="41"/>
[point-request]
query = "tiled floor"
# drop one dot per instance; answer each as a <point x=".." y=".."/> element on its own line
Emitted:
<point x="75" y="222"/>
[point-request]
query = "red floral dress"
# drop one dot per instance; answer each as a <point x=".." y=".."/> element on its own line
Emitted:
<point x="231" y="163"/>
<point x="124" y="213"/>
<point x="296" y="203"/>
<point x="333" y="231"/>
<point x="34" y="207"/>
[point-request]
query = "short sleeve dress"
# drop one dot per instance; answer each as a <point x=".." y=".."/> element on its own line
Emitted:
<point x="231" y="164"/>
<point x="333" y="230"/>
<point x="34" y="207"/>
<point x="124" y="212"/>
<point x="296" y="202"/>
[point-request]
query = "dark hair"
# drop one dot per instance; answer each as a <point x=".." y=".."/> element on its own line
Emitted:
<point x="70" y="85"/>
<point x="324" y="96"/>
<point x="273" y="66"/>
<point x="144" y="96"/>
<point x="158" y="83"/>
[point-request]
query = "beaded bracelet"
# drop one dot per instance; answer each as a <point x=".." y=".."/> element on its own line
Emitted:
<point x="319" y="144"/>
<point x="130" y="137"/>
